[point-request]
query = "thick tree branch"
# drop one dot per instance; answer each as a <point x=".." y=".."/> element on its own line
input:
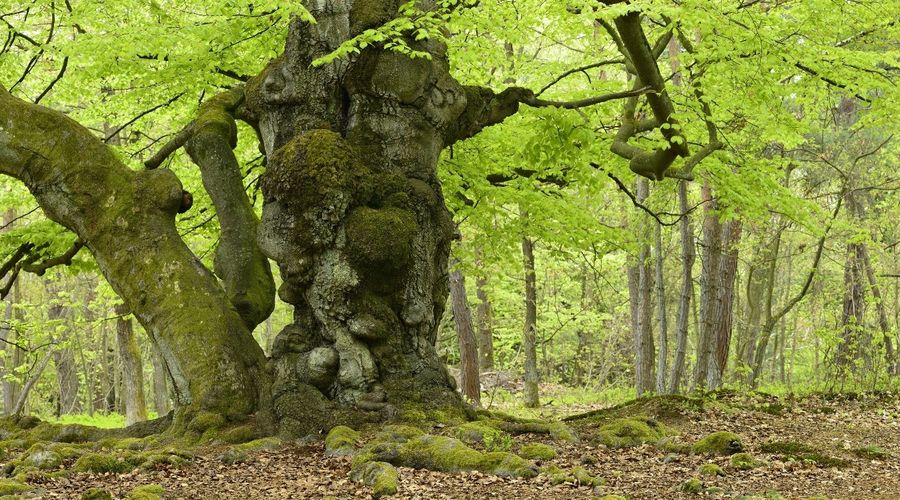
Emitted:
<point x="239" y="262"/>
<point x="127" y="219"/>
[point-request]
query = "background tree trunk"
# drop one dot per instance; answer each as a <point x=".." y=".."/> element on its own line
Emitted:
<point x="468" y="352"/>
<point x="484" y="319"/>
<point x="160" y="382"/>
<point x="709" y="286"/>
<point x="639" y="286"/>
<point x="721" y="338"/>
<point x="532" y="377"/>
<point x="662" y="355"/>
<point x="132" y="370"/>
<point x="688" y="256"/>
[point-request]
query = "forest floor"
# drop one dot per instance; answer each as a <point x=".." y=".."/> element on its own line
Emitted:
<point x="830" y="447"/>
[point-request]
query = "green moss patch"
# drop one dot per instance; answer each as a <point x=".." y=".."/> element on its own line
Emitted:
<point x="665" y="408"/>
<point x="711" y="470"/>
<point x="577" y="475"/>
<point x="12" y="487"/>
<point x="786" y="447"/>
<point x="205" y="421"/>
<point x="381" y="476"/>
<point x="556" y="430"/>
<point x="719" y="443"/>
<point x="444" y="454"/>
<point x="745" y="461"/>
<point x="692" y="485"/>
<point x="108" y="462"/>
<point x="537" y="451"/>
<point x="791" y="450"/>
<point x="482" y="432"/>
<point x="629" y="432"/>
<point x="871" y="452"/>
<point x="147" y="492"/>
<point x="341" y="440"/>
<point x="239" y="434"/>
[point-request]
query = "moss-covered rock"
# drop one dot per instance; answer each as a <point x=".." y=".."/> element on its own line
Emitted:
<point x="108" y="462"/>
<point x="340" y="441"/>
<point x="96" y="494"/>
<point x="205" y="421"/>
<point x="628" y="432"/>
<point x="583" y="478"/>
<point x="484" y="433"/>
<point x="267" y="443"/>
<point x="537" y="451"/>
<point x="441" y="453"/>
<point x="147" y="492"/>
<point x="577" y="475"/>
<point x="745" y="461"/>
<point x="239" y="434"/>
<point x="506" y="464"/>
<point x="557" y="475"/>
<point x="711" y="470"/>
<point x="12" y="487"/>
<point x="692" y="485"/>
<point x="381" y="476"/>
<point x="719" y="443"/>
<point x="241" y="452"/>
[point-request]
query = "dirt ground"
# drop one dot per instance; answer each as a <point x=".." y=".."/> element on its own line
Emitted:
<point x="834" y="426"/>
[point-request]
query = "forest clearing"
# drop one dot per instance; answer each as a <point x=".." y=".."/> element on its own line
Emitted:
<point x="449" y="249"/>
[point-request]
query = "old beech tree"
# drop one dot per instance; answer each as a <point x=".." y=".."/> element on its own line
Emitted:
<point x="353" y="216"/>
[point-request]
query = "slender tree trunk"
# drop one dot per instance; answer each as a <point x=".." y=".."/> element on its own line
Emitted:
<point x="687" y="290"/>
<point x="484" y="318"/>
<point x="883" y="323"/>
<point x="725" y="305"/>
<point x="639" y="290"/>
<point x="110" y="377"/>
<point x="22" y="399"/>
<point x="709" y="287"/>
<point x="532" y="377"/>
<point x="854" y="308"/>
<point x="132" y="370"/>
<point x="662" y="355"/>
<point x="160" y="385"/>
<point x="11" y="387"/>
<point x="468" y="351"/>
<point x="64" y="359"/>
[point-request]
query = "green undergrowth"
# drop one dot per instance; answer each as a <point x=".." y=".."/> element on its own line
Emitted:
<point x="801" y="452"/>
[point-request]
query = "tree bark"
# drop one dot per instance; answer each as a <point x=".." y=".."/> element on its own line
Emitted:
<point x="132" y="370"/>
<point x="663" y="353"/>
<point x="709" y="287"/>
<point x="688" y="256"/>
<point x="484" y="318"/>
<point x="721" y="336"/>
<point x="12" y="388"/>
<point x="640" y="285"/>
<point x="532" y="377"/>
<point x="468" y="351"/>
<point x="160" y="384"/>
